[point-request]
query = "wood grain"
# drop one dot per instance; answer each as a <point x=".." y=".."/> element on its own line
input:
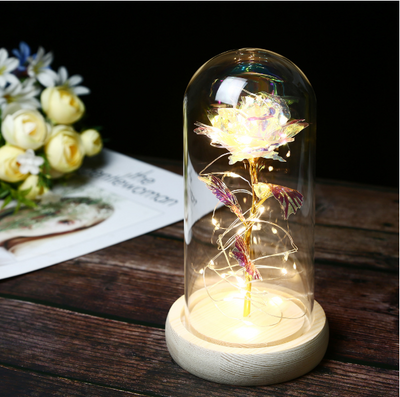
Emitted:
<point x="103" y="289"/>
<point x="357" y="247"/>
<point x="17" y="382"/>
<point x="134" y="358"/>
<point x="147" y="252"/>
<point x="357" y="206"/>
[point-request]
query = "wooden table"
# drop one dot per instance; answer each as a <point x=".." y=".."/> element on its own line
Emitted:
<point x="94" y="325"/>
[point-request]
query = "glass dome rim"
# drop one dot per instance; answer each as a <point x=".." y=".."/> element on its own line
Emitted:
<point x="222" y="54"/>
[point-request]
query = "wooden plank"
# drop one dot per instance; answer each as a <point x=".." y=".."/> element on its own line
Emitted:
<point x="147" y="252"/>
<point x="362" y="308"/>
<point x="174" y="231"/>
<point x="357" y="206"/>
<point x="361" y="305"/>
<point x="15" y="382"/>
<point x="357" y="247"/>
<point x="135" y="358"/>
<point x="105" y="289"/>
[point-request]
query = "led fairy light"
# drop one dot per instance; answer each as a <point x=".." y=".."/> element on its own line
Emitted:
<point x="249" y="259"/>
<point x="252" y="130"/>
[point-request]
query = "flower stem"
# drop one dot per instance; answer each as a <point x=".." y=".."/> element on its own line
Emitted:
<point x="247" y="298"/>
<point x="253" y="165"/>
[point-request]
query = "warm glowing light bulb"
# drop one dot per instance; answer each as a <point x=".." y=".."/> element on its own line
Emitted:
<point x="284" y="271"/>
<point x="288" y="154"/>
<point x="286" y="256"/>
<point x="201" y="271"/>
<point x="215" y="223"/>
<point x="270" y="168"/>
<point x="276" y="300"/>
<point x="294" y="266"/>
<point x="274" y="230"/>
<point x="261" y="209"/>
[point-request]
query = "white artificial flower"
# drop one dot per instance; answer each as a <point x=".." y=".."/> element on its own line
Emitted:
<point x="7" y="65"/>
<point x="17" y="95"/>
<point x="72" y="82"/>
<point x="39" y="68"/>
<point x="29" y="163"/>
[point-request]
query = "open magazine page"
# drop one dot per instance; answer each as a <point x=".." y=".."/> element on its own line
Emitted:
<point x="112" y="198"/>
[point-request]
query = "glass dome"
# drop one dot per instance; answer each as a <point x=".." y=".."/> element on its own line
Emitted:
<point x="249" y="153"/>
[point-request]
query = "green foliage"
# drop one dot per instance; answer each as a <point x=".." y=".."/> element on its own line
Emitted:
<point x="10" y="192"/>
<point x="44" y="174"/>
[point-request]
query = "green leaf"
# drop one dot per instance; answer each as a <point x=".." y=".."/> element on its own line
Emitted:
<point x="7" y="201"/>
<point x="25" y="191"/>
<point x="5" y="186"/>
<point x="28" y="203"/>
<point x="17" y="207"/>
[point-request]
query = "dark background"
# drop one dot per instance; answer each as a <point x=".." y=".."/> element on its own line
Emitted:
<point x="138" y="57"/>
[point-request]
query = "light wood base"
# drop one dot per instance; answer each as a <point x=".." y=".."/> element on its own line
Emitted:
<point x="241" y="365"/>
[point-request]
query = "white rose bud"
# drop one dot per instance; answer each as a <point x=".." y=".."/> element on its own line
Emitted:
<point x="25" y="128"/>
<point x="9" y="166"/>
<point x="61" y="105"/>
<point x="33" y="182"/>
<point x="64" y="149"/>
<point x="91" y="142"/>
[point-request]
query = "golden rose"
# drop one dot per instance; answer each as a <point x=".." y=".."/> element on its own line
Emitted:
<point x="91" y="142"/>
<point x="32" y="182"/>
<point x="61" y="105"/>
<point x="9" y="166"/>
<point x="64" y="149"/>
<point x="25" y="128"/>
<point x="255" y="128"/>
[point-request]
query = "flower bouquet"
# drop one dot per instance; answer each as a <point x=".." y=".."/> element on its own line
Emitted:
<point x="38" y="139"/>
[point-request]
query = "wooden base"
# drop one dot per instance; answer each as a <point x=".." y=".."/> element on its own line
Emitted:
<point x="245" y="366"/>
